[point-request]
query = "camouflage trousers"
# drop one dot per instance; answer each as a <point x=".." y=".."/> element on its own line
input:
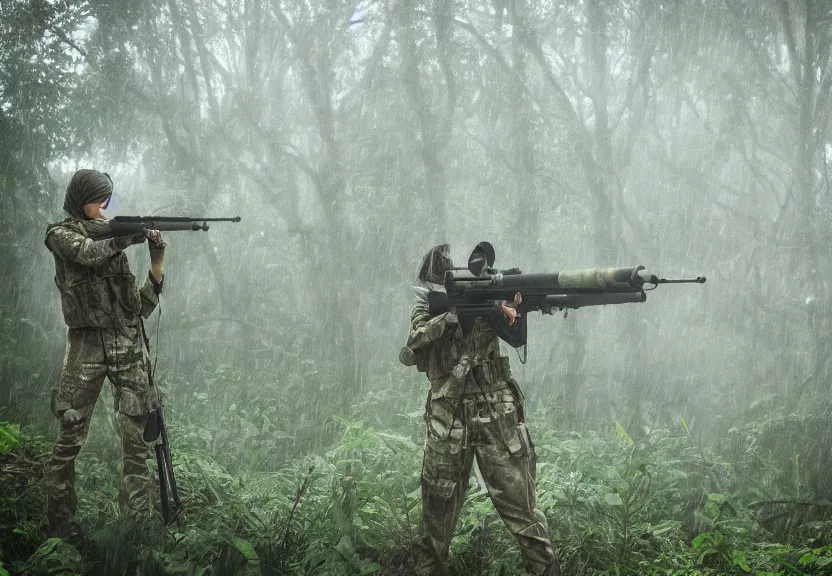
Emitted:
<point x="488" y="428"/>
<point x="92" y="354"/>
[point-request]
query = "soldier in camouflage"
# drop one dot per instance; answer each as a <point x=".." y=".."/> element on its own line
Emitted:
<point x="102" y="307"/>
<point x="474" y="409"/>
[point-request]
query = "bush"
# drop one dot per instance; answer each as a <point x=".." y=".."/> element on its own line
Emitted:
<point x="659" y="505"/>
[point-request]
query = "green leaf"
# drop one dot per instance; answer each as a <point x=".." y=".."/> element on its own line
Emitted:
<point x="49" y="546"/>
<point x="346" y="552"/>
<point x="699" y="540"/>
<point x="244" y="547"/>
<point x="659" y="530"/>
<point x="685" y="424"/>
<point x="739" y="559"/>
<point x="9" y="437"/>
<point x="622" y="434"/>
<point x="704" y="554"/>
<point x="713" y="504"/>
<point x="53" y="557"/>
<point x="613" y="499"/>
<point x="401" y="440"/>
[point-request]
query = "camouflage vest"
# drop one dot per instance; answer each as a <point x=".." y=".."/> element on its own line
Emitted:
<point x="103" y="296"/>
<point x="489" y="370"/>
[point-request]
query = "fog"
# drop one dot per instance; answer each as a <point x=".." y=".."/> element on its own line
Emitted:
<point x="691" y="137"/>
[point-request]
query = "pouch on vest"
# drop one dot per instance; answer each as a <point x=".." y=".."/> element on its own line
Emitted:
<point x="512" y="430"/>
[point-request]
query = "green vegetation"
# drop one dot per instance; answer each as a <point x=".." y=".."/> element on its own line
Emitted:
<point x="685" y="436"/>
<point x="658" y="505"/>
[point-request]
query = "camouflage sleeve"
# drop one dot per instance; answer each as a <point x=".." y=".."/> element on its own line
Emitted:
<point x="149" y="298"/>
<point x="74" y="247"/>
<point x="425" y="329"/>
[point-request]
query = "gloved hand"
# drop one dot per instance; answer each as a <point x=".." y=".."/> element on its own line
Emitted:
<point x="71" y="416"/>
<point x="123" y="242"/>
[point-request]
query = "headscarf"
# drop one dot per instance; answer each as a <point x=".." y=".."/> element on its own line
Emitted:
<point x="435" y="263"/>
<point x="86" y="187"/>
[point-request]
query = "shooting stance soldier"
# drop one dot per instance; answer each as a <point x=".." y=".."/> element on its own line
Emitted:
<point x="102" y="308"/>
<point x="474" y="408"/>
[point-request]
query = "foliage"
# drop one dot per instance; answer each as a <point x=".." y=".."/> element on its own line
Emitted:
<point x="22" y="491"/>
<point x="659" y="505"/>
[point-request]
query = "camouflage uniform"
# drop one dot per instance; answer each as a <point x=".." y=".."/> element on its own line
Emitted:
<point x="102" y="308"/>
<point x="474" y="409"/>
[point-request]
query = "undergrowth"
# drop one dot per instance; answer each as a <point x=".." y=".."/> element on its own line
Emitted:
<point x="662" y="505"/>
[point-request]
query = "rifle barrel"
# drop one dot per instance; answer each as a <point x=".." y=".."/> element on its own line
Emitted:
<point x="172" y="219"/>
<point x="697" y="280"/>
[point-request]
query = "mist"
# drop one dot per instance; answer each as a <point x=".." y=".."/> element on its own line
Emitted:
<point x="691" y="137"/>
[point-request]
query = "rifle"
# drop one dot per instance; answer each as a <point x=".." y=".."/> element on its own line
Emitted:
<point x="129" y="225"/>
<point x="156" y="431"/>
<point x="480" y="289"/>
<point x="168" y="491"/>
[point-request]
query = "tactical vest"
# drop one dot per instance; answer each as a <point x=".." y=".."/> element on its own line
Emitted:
<point x="490" y="371"/>
<point x="103" y="296"/>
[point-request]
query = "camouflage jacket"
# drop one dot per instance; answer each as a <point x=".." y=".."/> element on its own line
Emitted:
<point x="97" y="288"/>
<point x="440" y="346"/>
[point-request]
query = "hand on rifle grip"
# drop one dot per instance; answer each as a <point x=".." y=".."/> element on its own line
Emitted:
<point x="155" y="240"/>
<point x="510" y="310"/>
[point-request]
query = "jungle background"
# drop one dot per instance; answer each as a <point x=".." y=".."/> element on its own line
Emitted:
<point x="687" y="435"/>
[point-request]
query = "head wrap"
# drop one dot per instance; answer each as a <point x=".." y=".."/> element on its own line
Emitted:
<point x="435" y="263"/>
<point x="86" y="187"/>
